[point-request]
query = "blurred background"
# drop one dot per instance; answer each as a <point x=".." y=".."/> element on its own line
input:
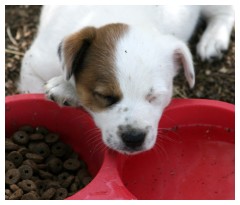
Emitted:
<point x="214" y="80"/>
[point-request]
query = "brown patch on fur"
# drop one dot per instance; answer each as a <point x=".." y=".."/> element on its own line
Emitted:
<point x="75" y="47"/>
<point x="95" y="74"/>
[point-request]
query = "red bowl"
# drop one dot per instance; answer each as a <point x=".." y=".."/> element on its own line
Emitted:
<point x="193" y="157"/>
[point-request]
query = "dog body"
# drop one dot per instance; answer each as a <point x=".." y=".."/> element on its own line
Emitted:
<point x="118" y="62"/>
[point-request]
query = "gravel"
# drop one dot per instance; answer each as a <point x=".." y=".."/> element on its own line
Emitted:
<point x="214" y="80"/>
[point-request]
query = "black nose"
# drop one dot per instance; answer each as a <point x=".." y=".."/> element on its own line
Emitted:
<point x="133" y="137"/>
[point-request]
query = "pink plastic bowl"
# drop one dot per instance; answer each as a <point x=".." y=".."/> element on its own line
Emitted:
<point x="193" y="157"/>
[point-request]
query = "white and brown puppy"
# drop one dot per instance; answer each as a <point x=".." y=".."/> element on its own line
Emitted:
<point x="118" y="62"/>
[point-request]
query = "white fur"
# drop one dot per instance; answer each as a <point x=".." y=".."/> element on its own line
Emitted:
<point x="147" y="58"/>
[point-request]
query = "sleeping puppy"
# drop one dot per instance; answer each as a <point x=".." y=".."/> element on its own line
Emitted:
<point x="118" y="62"/>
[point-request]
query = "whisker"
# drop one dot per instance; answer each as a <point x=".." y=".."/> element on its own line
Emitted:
<point x="99" y="146"/>
<point x="79" y="117"/>
<point x="169" y="118"/>
<point x="93" y="138"/>
<point x="159" y="148"/>
<point x="169" y="134"/>
<point x="92" y="131"/>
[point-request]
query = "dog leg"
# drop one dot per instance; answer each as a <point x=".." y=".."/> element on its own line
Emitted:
<point x="215" y="39"/>
<point x="62" y="92"/>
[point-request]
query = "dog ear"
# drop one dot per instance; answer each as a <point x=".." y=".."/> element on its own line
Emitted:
<point x="73" y="48"/>
<point x="183" y="58"/>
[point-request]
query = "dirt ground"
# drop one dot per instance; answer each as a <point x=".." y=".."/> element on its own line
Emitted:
<point x="215" y="80"/>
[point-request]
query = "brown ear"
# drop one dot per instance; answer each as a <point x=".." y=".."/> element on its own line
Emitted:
<point x="73" y="49"/>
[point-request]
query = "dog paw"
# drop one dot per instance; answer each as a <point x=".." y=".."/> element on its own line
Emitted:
<point x="61" y="92"/>
<point x="213" y="44"/>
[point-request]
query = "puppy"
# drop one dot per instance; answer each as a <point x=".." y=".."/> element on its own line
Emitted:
<point x="118" y="62"/>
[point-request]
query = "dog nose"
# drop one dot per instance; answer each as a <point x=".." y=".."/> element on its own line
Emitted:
<point x="133" y="137"/>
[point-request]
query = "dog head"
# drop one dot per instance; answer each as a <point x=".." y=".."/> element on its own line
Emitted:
<point x="124" y="78"/>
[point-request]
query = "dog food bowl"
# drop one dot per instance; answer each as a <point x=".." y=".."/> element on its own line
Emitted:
<point x="193" y="157"/>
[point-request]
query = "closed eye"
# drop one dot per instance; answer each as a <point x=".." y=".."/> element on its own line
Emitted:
<point x="108" y="100"/>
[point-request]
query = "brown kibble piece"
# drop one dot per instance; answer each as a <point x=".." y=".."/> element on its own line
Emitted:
<point x="15" y="157"/>
<point x="53" y="184"/>
<point x="71" y="164"/>
<point x="86" y="180"/>
<point x="41" y="130"/>
<point x="9" y="165"/>
<point x="23" y="151"/>
<point x="51" y="138"/>
<point x="32" y="195"/>
<point x="63" y="176"/>
<point x="42" y="166"/>
<point x="41" y="185"/>
<point x="8" y="192"/>
<point x="55" y="165"/>
<point x="20" y="137"/>
<point x="28" y="129"/>
<point x="45" y="175"/>
<point x="16" y="195"/>
<point x="82" y="173"/>
<point x="42" y="149"/>
<point x="27" y="185"/>
<point x="35" y="157"/>
<point x="58" y="149"/>
<point x="36" y="136"/>
<point x="73" y="187"/>
<point x="49" y="193"/>
<point x="10" y="146"/>
<point x="61" y="193"/>
<point x="32" y="164"/>
<point x="12" y="176"/>
<point x="67" y="182"/>
<point x="14" y="187"/>
<point x="26" y="171"/>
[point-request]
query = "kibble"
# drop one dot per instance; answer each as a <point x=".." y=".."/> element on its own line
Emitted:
<point x="8" y="192"/>
<point x="45" y="174"/>
<point x="20" y="138"/>
<point x="51" y="138"/>
<point x="16" y="195"/>
<point x="26" y="171"/>
<point x="10" y="146"/>
<point x="28" y="129"/>
<point x="61" y="193"/>
<point x="35" y="157"/>
<point x="36" y="136"/>
<point x="71" y="164"/>
<point x="63" y="176"/>
<point x="12" y="176"/>
<point x="14" y="187"/>
<point x="59" y="149"/>
<point x="27" y="185"/>
<point x="41" y="185"/>
<point x="53" y="184"/>
<point x="55" y="165"/>
<point x="23" y="151"/>
<point x="39" y="166"/>
<point x="41" y="130"/>
<point x="32" y="195"/>
<point x="67" y="182"/>
<point x="49" y="193"/>
<point x="15" y="157"/>
<point x="32" y="164"/>
<point x="9" y="165"/>
<point x="86" y="180"/>
<point x="42" y="149"/>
